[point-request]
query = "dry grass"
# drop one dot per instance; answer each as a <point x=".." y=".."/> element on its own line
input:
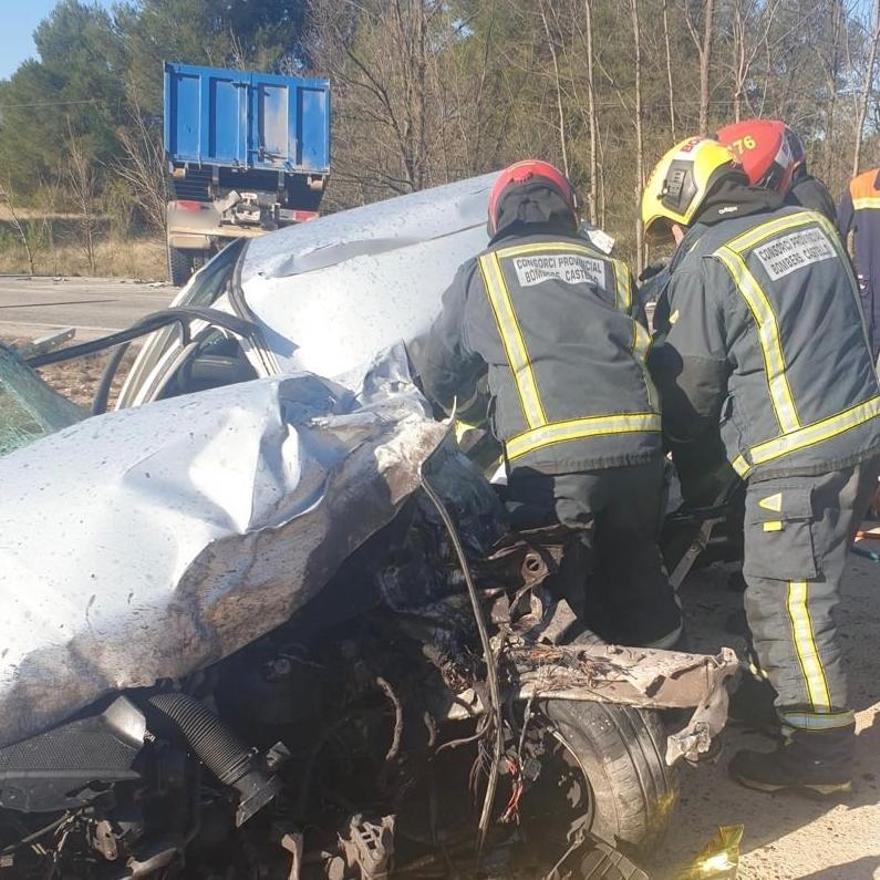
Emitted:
<point x="34" y="214"/>
<point x="139" y="258"/>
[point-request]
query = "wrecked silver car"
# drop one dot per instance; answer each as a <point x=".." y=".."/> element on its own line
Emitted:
<point x="278" y="626"/>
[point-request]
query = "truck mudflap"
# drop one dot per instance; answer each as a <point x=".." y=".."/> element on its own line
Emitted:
<point x="188" y="241"/>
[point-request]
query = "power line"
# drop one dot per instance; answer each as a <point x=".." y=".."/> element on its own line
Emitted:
<point x="53" y="103"/>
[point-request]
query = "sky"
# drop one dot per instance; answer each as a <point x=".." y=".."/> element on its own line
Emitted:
<point x="19" y="19"/>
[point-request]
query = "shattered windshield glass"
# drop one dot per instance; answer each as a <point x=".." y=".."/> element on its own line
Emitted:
<point x="29" y="408"/>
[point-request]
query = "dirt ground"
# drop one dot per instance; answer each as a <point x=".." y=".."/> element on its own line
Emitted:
<point x="788" y="837"/>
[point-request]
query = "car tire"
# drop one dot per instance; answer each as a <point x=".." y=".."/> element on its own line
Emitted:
<point x="620" y="751"/>
<point x="180" y="266"/>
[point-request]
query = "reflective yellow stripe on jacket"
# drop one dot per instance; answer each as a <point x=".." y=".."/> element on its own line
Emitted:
<point x="640" y="347"/>
<point x="512" y="339"/>
<point x="803" y="218"/>
<point x="581" y="429"/>
<point x="867" y="202"/>
<point x="623" y="285"/>
<point x="818" y="432"/>
<point x="541" y="432"/>
<point x="755" y="236"/>
<point x="810" y="435"/>
<point x="794" y="436"/>
<point x="768" y="336"/>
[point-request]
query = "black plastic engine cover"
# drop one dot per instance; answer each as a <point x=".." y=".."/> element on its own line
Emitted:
<point x="59" y="769"/>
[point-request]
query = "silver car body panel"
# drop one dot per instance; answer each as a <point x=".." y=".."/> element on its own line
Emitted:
<point x="151" y="542"/>
<point x="332" y="292"/>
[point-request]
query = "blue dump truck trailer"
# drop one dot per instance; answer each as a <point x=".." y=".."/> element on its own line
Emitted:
<point x="246" y="153"/>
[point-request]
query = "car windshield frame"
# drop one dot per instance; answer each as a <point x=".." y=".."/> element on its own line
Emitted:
<point x="206" y="287"/>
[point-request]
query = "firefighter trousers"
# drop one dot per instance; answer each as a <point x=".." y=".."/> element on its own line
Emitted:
<point x="798" y="531"/>
<point x="625" y="593"/>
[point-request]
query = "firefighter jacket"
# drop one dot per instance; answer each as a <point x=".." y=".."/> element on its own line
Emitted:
<point x="859" y="212"/>
<point x="809" y="192"/>
<point x="547" y="315"/>
<point x="764" y="335"/>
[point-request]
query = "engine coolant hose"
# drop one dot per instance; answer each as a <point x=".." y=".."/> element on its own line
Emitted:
<point x="218" y="748"/>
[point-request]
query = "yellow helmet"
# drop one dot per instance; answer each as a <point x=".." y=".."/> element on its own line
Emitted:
<point x="680" y="182"/>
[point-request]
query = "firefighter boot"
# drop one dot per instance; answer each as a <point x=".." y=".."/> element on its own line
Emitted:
<point x="818" y="762"/>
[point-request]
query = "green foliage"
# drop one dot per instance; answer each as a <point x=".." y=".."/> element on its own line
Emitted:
<point x="75" y="88"/>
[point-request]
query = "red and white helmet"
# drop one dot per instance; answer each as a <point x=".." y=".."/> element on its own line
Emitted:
<point x="765" y="149"/>
<point x="526" y="172"/>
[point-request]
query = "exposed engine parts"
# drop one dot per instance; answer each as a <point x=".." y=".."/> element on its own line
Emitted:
<point x="362" y="739"/>
<point x="219" y="750"/>
<point x="367" y="850"/>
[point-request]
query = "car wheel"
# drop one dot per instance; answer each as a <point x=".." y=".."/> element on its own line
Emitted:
<point x="619" y="750"/>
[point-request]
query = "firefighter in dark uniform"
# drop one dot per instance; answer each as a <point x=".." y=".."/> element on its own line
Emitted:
<point x="764" y="349"/>
<point x="859" y="213"/>
<point x="806" y="189"/>
<point x="546" y="315"/>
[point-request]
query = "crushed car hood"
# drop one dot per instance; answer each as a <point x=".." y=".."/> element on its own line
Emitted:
<point x="148" y="543"/>
<point x="330" y="293"/>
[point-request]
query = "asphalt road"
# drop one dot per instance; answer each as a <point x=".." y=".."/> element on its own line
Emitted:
<point x="34" y="307"/>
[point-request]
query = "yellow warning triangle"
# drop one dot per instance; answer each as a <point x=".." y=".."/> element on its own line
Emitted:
<point x="771" y="502"/>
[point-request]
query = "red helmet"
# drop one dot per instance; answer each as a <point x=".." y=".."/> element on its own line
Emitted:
<point x="764" y="148"/>
<point x="523" y="172"/>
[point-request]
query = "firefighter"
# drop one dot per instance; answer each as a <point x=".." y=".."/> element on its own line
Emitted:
<point x="546" y="316"/>
<point x="773" y="157"/>
<point x="859" y="213"/>
<point x="763" y="348"/>
<point x="806" y="190"/>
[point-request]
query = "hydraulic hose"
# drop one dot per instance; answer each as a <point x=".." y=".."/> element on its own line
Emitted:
<point x="218" y="748"/>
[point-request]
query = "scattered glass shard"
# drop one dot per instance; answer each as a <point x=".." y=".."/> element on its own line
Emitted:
<point x="719" y="859"/>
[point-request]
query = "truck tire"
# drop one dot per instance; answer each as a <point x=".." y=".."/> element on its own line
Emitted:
<point x="620" y="751"/>
<point x="180" y="265"/>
